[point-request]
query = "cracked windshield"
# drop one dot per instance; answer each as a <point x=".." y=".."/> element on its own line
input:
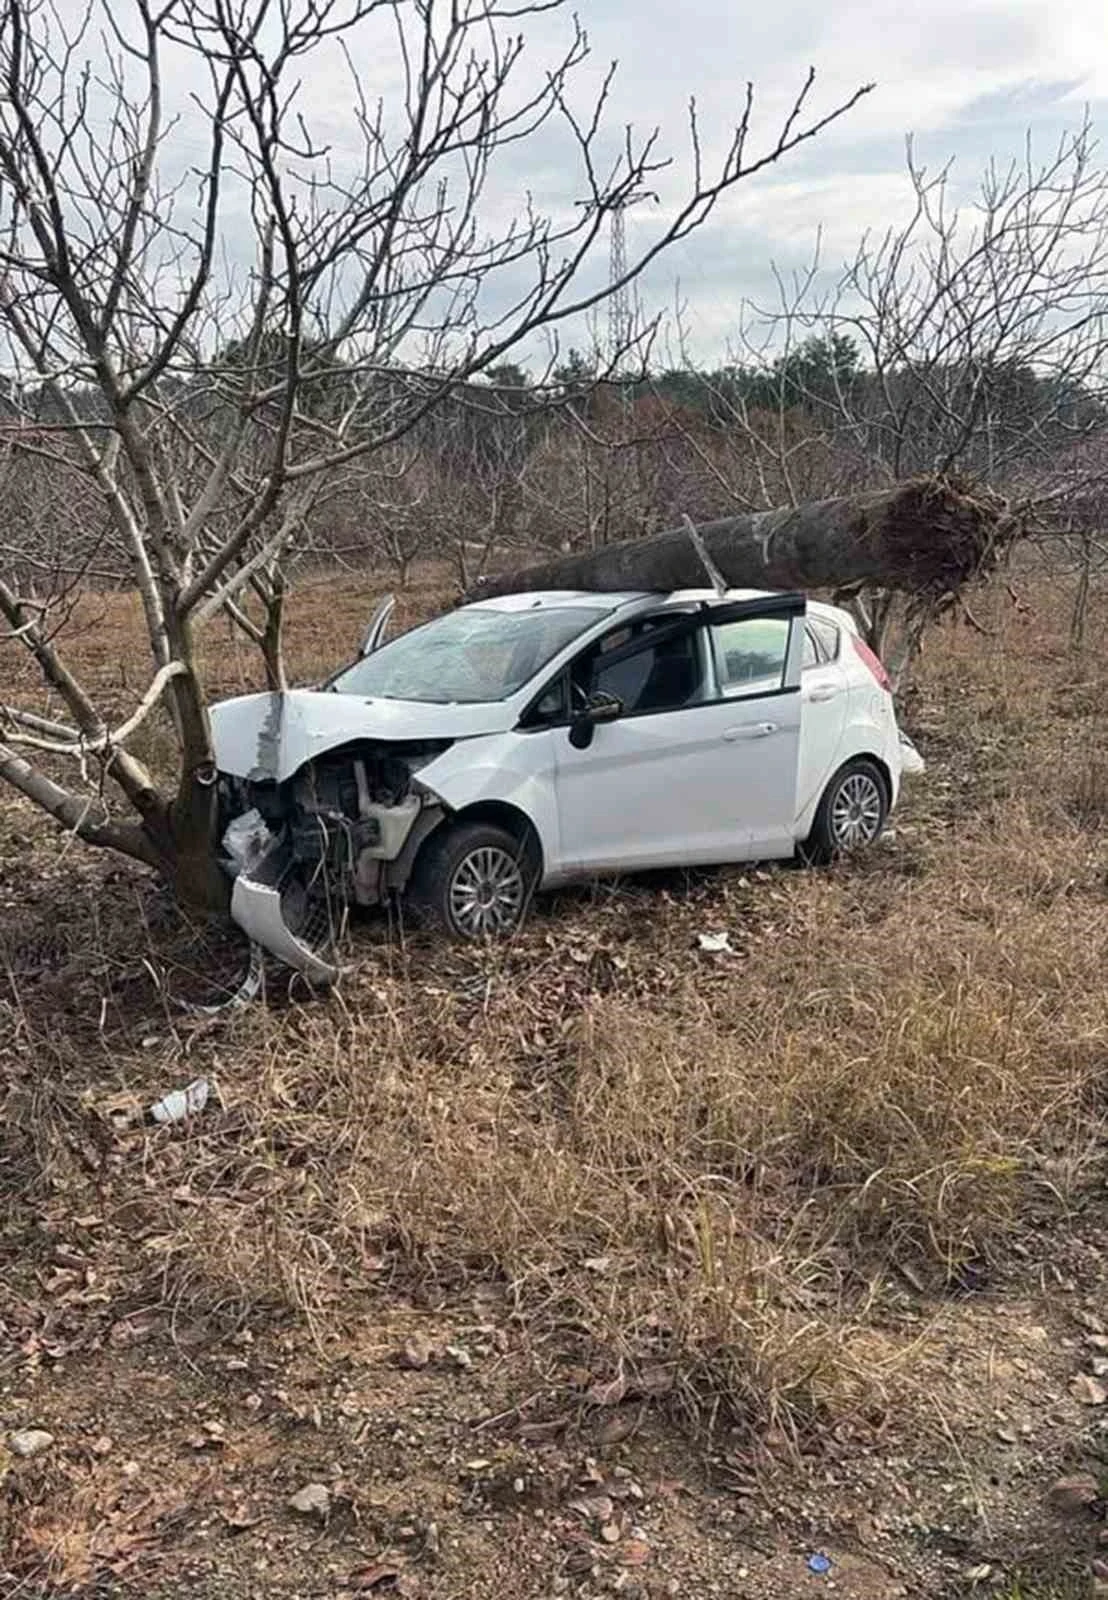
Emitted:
<point x="467" y="657"/>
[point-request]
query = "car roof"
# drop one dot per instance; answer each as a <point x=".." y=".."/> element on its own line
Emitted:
<point x="552" y="599"/>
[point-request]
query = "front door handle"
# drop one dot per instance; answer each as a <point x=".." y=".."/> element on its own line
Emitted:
<point x="750" y="730"/>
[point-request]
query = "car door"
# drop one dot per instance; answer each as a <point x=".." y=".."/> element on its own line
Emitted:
<point x="824" y="699"/>
<point x="696" y="769"/>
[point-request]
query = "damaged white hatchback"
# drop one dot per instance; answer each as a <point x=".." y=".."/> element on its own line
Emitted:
<point x="529" y="741"/>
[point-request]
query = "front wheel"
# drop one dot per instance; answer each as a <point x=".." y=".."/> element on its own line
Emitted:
<point x="851" y="813"/>
<point x="474" y="880"/>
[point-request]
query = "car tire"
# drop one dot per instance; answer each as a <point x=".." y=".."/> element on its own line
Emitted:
<point x="851" y="815"/>
<point x="474" y="880"/>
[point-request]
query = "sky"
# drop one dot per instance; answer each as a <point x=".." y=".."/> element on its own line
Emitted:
<point x="967" y="79"/>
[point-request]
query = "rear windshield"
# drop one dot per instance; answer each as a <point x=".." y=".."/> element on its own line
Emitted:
<point x="468" y="656"/>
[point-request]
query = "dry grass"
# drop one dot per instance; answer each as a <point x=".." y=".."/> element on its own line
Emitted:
<point x="708" y="1167"/>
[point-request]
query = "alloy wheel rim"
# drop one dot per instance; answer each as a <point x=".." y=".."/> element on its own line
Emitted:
<point x="856" y="811"/>
<point x="487" y="892"/>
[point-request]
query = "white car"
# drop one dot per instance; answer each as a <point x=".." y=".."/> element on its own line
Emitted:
<point x="529" y="741"/>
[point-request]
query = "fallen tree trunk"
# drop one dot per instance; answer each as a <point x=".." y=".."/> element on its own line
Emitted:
<point x="926" y="537"/>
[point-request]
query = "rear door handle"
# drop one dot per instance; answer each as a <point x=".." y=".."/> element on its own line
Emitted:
<point x="822" y="691"/>
<point x="750" y="730"/>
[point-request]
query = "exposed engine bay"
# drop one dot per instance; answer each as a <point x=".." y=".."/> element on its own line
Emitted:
<point x="344" y="829"/>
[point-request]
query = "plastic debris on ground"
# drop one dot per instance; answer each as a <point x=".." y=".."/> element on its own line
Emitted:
<point x="182" y="1103"/>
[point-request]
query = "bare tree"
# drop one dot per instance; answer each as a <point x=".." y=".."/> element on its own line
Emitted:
<point x="620" y="472"/>
<point x="210" y="310"/>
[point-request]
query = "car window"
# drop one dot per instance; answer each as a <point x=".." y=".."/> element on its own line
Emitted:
<point x="661" y="675"/>
<point x="812" y="655"/>
<point x="552" y="706"/>
<point x="750" y="654"/>
<point x="826" y="635"/>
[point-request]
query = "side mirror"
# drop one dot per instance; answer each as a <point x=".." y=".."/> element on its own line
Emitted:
<point x="379" y="621"/>
<point x="601" y="707"/>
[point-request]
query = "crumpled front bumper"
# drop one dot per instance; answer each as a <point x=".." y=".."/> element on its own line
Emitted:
<point x="256" y="907"/>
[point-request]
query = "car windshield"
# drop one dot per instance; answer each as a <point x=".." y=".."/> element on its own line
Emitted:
<point x="468" y="656"/>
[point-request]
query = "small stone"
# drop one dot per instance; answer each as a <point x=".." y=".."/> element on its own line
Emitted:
<point x="1097" y="1341"/>
<point x="313" y="1500"/>
<point x="610" y="1533"/>
<point x="1074" y="1493"/>
<point x="594" y="1507"/>
<point x="1099" y="1365"/>
<point x="1007" y="1436"/>
<point x="414" y="1356"/>
<point x="1088" y="1391"/>
<point x="616" y="1429"/>
<point x="30" y="1441"/>
<point x="102" y="1446"/>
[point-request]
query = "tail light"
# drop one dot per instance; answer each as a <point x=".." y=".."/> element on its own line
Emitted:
<point x="873" y="662"/>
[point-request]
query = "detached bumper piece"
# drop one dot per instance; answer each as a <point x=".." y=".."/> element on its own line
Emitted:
<point x="259" y="895"/>
<point x="257" y="908"/>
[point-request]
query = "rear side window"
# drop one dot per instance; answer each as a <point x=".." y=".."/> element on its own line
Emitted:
<point x="750" y="655"/>
<point x="825" y="637"/>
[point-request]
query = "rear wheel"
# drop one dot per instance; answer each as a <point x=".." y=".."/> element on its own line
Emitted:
<point x="851" y="813"/>
<point x="475" y="880"/>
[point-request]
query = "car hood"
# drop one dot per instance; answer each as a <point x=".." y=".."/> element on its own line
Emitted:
<point x="270" y="736"/>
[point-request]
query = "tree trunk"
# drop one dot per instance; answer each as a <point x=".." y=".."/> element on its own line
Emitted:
<point x="926" y="537"/>
<point x="189" y="859"/>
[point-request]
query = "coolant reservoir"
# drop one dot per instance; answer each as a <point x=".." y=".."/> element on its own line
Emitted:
<point x="394" y="824"/>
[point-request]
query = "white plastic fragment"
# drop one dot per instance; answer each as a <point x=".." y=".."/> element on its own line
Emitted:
<point x="182" y="1103"/>
<point x="247" y="838"/>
